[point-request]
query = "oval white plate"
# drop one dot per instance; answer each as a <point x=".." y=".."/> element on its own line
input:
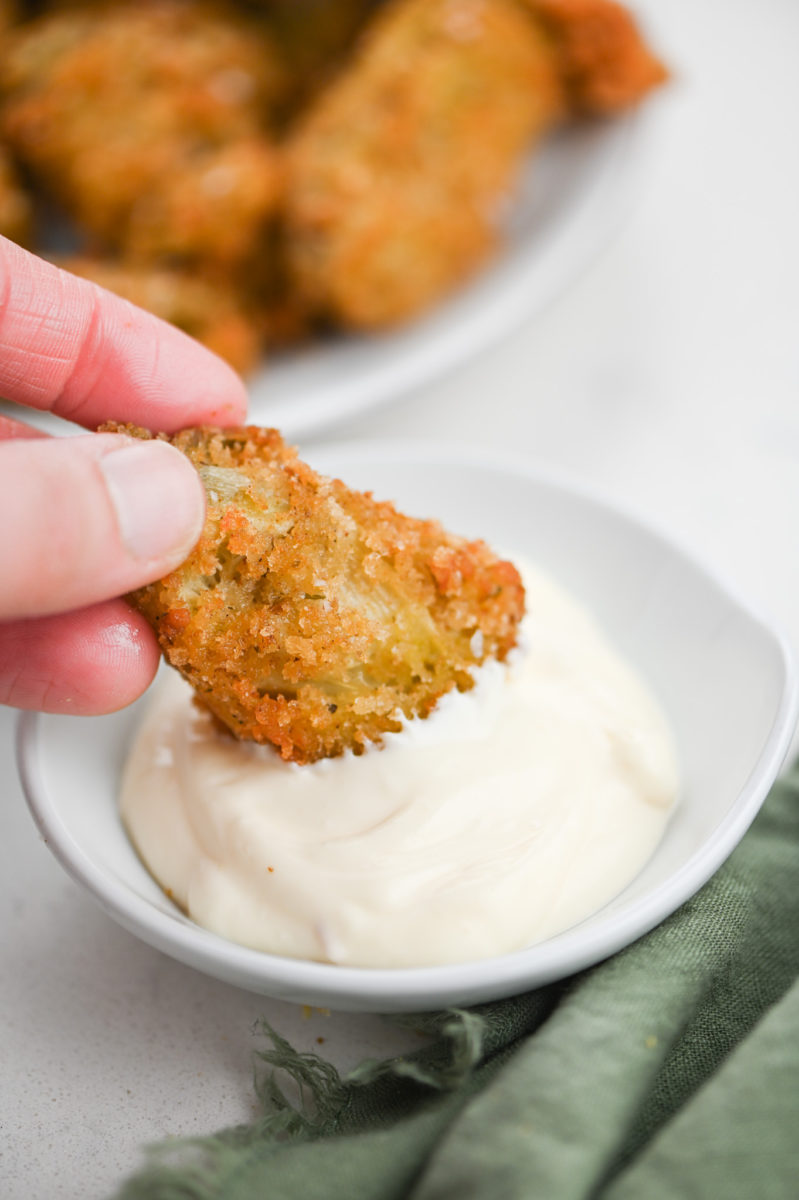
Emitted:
<point x="574" y="195"/>
<point x="724" y="677"/>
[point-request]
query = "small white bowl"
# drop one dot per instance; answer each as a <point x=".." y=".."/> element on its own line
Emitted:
<point x="723" y="675"/>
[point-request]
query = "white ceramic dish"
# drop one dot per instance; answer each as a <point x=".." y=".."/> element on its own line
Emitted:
<point x="723" y="675"/>
<point x="574" y="195"/>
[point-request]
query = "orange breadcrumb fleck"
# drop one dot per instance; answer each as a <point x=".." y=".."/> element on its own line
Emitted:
<point x="314" y="617"/>
<point x="604" y="61"/>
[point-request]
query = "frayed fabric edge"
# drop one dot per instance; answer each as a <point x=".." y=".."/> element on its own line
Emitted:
<point x="195" y="1168"/>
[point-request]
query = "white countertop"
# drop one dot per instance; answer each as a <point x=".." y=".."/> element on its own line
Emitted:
<point x="667" y="376"/>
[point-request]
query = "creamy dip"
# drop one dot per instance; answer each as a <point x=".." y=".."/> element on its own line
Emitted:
<point x="514" y="811"/>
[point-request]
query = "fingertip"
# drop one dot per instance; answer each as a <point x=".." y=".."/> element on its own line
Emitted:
<point x="177" y="382"/>
<point x="93" y="661"/>
<point x="118" y="658"/>
<point x="153" y="374"/>
<point x="94" y="517"/>
<point x="84" y="353"/>
<point x="188" y="383"/>
<point x="158" y="500"/>
<point x="228" y="400"/>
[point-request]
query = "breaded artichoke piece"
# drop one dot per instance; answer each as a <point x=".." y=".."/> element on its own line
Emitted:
<point x="314" y="617"/>
<point x="149" y="124"/>
<point x="314" y="37"/>
<point x="16" y="210"/>
<point x="8" y="13"/>
<point x="603" y="58"/>
<point x="399" y="173"/>
<point x="212" y="313"/>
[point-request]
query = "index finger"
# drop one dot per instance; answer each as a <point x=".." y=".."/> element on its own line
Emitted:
<point x="69" y="347"/>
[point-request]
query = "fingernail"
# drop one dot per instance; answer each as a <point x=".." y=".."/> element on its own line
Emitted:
<point x="158" y="500"/>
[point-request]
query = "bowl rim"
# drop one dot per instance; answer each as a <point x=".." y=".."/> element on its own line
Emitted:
<point x="418" y="988"/>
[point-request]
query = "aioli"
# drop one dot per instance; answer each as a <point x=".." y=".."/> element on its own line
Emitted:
<point x="513" y="812"/>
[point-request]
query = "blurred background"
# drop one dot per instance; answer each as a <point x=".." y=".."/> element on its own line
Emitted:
<point x="640" y="338"/>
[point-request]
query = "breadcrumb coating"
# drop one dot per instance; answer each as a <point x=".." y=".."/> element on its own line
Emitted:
<point x="335" y="165"/>
<point x="603" y="59"/>
<point x="399" y="175"/>
<point x="314" y="617"/>
<point x="149" y="123"/>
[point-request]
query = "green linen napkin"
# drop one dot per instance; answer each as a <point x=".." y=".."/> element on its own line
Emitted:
<point x="670" y="1070"/>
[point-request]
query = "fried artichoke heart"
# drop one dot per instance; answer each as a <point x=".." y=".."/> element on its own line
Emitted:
<point x="398" y="176"/>
<point x="603" y="58"/>
<point x="16" y="212"/>
<point x="315" y="617"/>
<point x="400" y="173"/>
<point x="150" y="125"/>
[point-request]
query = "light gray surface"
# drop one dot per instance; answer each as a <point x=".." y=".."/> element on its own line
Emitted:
<point x="668" y="376"/>
<point x="107" y="1044"/>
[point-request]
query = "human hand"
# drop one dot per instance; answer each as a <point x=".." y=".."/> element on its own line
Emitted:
<point x="88" y="518"/>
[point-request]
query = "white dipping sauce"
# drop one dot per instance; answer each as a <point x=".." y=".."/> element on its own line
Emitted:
<point x="514" y="811"/>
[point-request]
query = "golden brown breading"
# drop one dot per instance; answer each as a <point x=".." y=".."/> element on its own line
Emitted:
<point x="8" y="13"/>
<point x="149" y="123"/>
<point x="210" y="312"/>
<point x="15" y="204"/>
<point x="283" y="318"/>
<point x="314" y="617"/>
<point x="398" y="174"/>
<point x="314" y="37"/>
<point x="604" y="61"/>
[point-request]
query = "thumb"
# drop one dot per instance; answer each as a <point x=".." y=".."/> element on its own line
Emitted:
<point x="91" y="517"/>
